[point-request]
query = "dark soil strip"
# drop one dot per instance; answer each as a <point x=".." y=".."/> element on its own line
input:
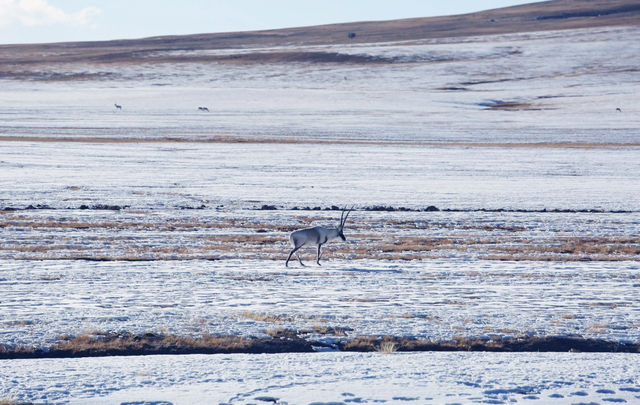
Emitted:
<point x="432" y="208"/>
<point x="285" y="341"/>
<point x="372" y="208"/>
<point x="527" y="344"/>
<point x="127" y="344"/>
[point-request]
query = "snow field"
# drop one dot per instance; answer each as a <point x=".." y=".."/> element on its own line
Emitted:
<point x="341" y="378"/>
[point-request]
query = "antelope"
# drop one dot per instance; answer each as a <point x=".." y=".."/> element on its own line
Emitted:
<point x="118" y="106"/>
<point x="316" y="236"/>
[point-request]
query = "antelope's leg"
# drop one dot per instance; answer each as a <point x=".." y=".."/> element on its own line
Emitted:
<point x="292" y="252"/>
<point x="318" y="257"/>
<point x="300" y="260"/>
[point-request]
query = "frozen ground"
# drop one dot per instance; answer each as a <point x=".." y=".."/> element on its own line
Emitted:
<point x="167" y="235"/>
<point x="436" y="300"/>
<point x="237" y="176"/>
<point x="329" y="378"/>
<point x="567" y="85"/>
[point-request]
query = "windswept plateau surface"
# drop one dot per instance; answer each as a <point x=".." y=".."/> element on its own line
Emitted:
<point x="492" y="170"/>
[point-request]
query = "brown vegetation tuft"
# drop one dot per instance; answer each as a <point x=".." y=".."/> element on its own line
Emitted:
<point x="10" y="401"/>
<point x="262" y="317"/>
<point x="387" y="347"/>
<point x="511" y="106"/>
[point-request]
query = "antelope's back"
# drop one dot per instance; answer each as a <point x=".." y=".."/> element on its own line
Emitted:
<point x="307" y="235"/>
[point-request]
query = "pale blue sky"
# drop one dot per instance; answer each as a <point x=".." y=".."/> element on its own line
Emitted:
<point x="28" y="21"/>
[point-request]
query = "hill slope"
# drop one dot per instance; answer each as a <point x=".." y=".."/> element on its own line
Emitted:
<point x="542" y="16"/>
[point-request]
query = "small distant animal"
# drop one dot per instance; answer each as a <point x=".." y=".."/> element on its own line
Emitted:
<point x="118" y="106"/>
<point x="619" y="109"/>
<point x="316" y="236"/>
<point x="351" y="35"/>
<point x="203" y="109"/>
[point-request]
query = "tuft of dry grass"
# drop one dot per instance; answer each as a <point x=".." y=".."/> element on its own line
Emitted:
<point x="327" y="330"/>
<point x="598" y="328"/>
<point x="262" y="317"/>
<point x="511" y="106"/>
<point x="387" y="347"/>
<point x="11" y="401"/>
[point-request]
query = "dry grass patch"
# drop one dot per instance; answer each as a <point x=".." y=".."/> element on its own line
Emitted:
<point x="262" y="317"/>
<point x="495" y="344"/>
<point x="577" y="248"/>
<point x="250" y="278"/>
<point x="511" y="106"/>
<point x="152" y="238"/>
<point x="117" y="344"/>
<point x="598" y="328"/>
<point x="289" y="341"/>
<point x="611" y="305"/>
<point x="21" y="322"/>
<point x="149" y="342"/>
<point x="387" y="347"/>
<point x="327" y="330"/>
<point x="11" y="401"/>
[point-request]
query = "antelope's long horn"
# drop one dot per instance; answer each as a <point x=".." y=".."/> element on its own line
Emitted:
<point x="346" y="216"/>
<point x="341" y="215"/>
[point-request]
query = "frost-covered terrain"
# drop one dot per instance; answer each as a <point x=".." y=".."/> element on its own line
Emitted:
<point x="331" y="378"/>
<point x="566" y="84"/>
<point x="436" y="300"/>
<point x="495" y="191"/>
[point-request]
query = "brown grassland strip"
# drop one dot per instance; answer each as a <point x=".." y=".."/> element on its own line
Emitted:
<point x="130" y="237"/>
<point x="99" y="344"/>
<point x="127" y="344"/>
<point x="523" y="344"/>
<point x="317" y="141"/>
<point x="173" y="245"/>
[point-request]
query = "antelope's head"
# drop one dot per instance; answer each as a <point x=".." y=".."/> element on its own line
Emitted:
<point x="343" y="219"/>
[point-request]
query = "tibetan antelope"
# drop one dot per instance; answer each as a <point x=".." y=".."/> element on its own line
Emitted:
<point x="316" y="236"/>
<point x="118" y="106"/>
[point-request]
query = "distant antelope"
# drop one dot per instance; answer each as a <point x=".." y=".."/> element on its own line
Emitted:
<point x="118" y="106"/>
<point x="316" y="236"/>
<point x="203" y="109"/>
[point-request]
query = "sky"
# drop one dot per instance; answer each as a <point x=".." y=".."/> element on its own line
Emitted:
<point x="34" y="21"/>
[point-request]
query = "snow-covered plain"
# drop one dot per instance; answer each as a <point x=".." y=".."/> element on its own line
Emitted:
<point x="436" y="300"/>
<point x="438" y="91"/>
<point x="430" y="138"/>
<point x="331" y="378"/>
